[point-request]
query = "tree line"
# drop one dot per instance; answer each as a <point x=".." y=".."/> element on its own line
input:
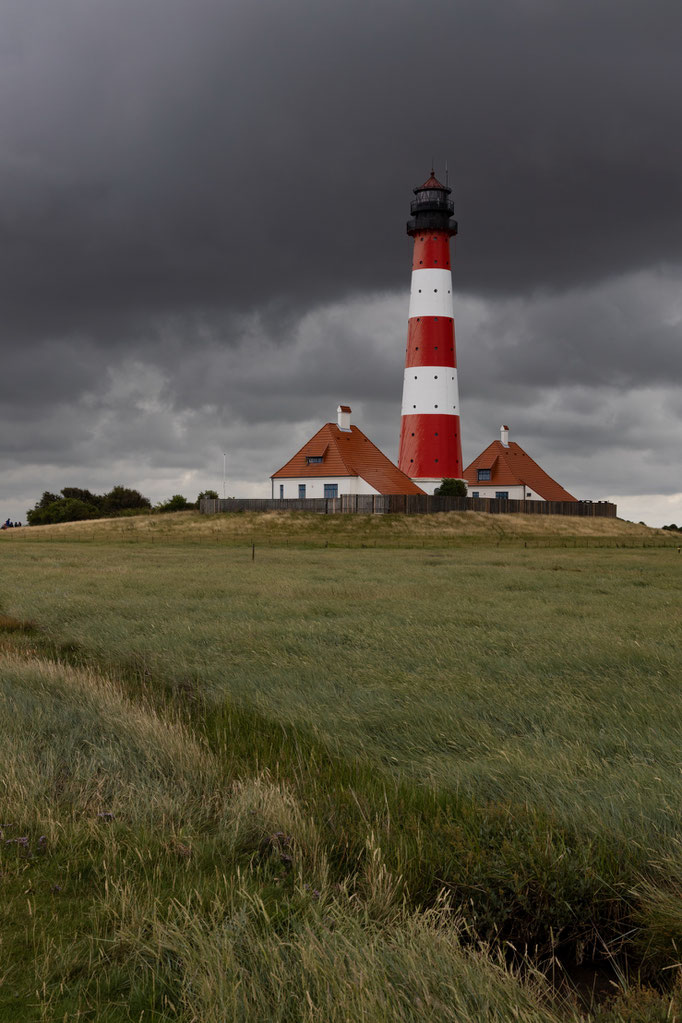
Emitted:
<point x="73" y="504"/>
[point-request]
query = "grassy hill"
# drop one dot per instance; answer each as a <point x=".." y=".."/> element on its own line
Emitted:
<point x="346" y="530"/>
<point x="337" y="782"/>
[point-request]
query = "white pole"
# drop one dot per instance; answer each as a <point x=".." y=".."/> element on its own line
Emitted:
<point x="224" y="456"/>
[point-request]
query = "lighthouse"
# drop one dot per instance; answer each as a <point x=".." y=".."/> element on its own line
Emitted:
<point x="430" y="443"/>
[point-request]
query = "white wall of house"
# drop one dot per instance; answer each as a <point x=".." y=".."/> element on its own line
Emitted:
<point x="314" y="485"/>
<point x="515" y="493"/>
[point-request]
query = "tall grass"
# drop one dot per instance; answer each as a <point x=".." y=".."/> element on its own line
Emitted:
<point x="143" y="879"/>
<point x="480" y="739"/>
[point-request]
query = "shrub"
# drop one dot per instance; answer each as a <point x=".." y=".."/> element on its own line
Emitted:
<point x="451" y="488"/>
<point x="209" y="495"/>
<point x="76" y="503"/>
<point x="123" y="499"/>
<point x="175" y="503"/>
<point x="62" y="510"/>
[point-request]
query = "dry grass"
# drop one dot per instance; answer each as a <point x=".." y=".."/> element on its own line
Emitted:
<point x="343" y="530"/>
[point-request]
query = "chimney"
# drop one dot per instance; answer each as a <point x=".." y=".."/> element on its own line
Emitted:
<point x="504" y="435"/>
<point x="343" y="417"/>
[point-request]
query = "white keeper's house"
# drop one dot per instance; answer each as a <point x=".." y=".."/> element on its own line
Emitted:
<point x="340" y="459"/>
<point x="505" y="471"/>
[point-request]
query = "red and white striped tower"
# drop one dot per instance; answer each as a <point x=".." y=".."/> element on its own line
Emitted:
<point x="430" y="443"/>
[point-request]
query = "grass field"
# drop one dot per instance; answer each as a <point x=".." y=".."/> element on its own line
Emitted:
<point x="338" y="782"/>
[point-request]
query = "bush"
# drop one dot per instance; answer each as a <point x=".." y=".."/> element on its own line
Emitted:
<point x="175" y="503"/>
<point x="75" y="504"/>
<point x="451" y="488"/>
<point x="209" y="495"/>
<point x="123" y="499"/>
<point x="62" y="510"/>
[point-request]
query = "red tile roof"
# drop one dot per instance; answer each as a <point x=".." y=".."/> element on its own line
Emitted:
<point x="348" y="454"/>
<point x="511" y="466"/>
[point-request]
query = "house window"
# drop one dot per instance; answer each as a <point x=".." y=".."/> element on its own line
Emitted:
<point x="301" y="490"/>
<point x="502" y="495"/>
<point x="281" y="491"/>
<point x="483" y="474"/>
<point x="314" y="459"/>
<point x="331" y="490"/>
<point x="476" y="493"/>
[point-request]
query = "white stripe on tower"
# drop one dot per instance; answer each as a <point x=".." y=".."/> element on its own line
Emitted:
<point x="430" y="390"/>
<point x="431" y="293"/>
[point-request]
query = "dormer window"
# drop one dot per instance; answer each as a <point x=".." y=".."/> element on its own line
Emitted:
<point x="314" y="459"/>
<point x="483" y="474"/>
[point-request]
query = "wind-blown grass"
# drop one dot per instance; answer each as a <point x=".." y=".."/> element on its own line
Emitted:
<point x="143" y="880"/>
<point x="502" y="725"/>
<point x="541" y="678"/>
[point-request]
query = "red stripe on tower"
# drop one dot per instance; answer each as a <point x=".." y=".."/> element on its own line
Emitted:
<point x="430" y="443"/>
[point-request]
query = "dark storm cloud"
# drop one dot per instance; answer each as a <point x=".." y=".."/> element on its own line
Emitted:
<point x="202" y="209"/>
<point x="170" y="153"/>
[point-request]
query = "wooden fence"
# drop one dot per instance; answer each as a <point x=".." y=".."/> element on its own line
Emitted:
<point x="408" y="504"/>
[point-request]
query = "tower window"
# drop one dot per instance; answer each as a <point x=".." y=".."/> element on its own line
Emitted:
<point x="435" y="406"/>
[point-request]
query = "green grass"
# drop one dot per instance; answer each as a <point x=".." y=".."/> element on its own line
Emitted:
<point x="145" y="878"/>
<point x="458" y="745"/>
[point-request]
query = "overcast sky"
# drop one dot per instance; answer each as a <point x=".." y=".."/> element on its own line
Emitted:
<point x="203" y="248"/>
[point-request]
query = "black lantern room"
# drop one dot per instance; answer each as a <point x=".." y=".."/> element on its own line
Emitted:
<point x="432" y="209"/>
